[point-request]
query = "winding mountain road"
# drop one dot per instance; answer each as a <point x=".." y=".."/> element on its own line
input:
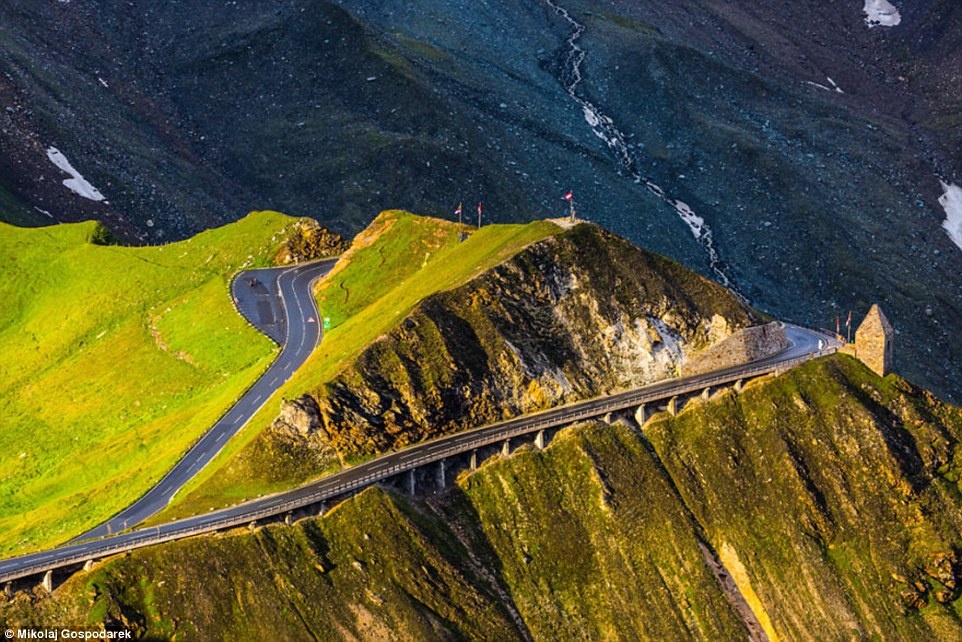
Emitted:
<point x="280" y="303"/>
<point x="804" y="345"/>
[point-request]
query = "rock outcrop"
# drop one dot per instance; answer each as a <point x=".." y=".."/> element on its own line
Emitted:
<point x="307" y="241"/>
<point x="297" y="431"/>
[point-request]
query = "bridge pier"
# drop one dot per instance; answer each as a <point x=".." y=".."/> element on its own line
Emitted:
<point x="411" y="486"/>
<point x="739" y="385"/>
<point x="47" y="582"/>
<point x="673" y="406"/>
<point x="607" y="418"/>
<point x="706" y="393"/>
<point x="474" y="459"/>
<point x="506" y="448"/>
<point x="441" y="480"/>
<point x="88" y="565"/>
<point x="539" y="440"/>
<point x="322" y="509"/>
<point x="640" y="415"/>
<point x="289" y="518"/>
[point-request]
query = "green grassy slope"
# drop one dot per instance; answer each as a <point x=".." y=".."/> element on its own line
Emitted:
<point x="838" y="493"/>
<point x="592" y="542"/>
<point x="114" y="360"/>
<point x="397" y="262"/>
<point x="582" y="541"/>
<point x="320" y="580"/>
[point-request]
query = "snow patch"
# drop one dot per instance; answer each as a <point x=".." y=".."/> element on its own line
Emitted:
<point x="591" y="117"/>
<point x="833" y="87"/>
<point x="951" y="202"/>
<point x="694" y="222"/>
<point x="881" y="13"/>
<point x="78" y="184"/>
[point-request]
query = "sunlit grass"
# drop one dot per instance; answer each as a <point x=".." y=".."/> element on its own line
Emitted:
<point x="114" y="360"/>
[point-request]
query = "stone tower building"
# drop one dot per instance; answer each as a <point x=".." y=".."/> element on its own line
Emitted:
<point x="873" y="342"/>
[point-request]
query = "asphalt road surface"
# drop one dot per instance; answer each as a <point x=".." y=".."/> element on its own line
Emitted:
<point x="272" y="299"/>
<point x="804" y="344"/>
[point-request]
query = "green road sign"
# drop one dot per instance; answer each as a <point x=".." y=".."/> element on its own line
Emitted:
<point x="327" y="323"/>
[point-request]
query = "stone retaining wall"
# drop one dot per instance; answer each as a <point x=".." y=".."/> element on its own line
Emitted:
<point x="745" y="345"/>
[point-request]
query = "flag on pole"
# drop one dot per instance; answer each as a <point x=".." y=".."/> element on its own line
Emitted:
<point x="838" y="325"/>
<point x="458" y="211"/>
<point x="569" y="196"/>
<point x="479" y="215"/>
<point x="479" y="209"/>
<point x="848" y="321"/>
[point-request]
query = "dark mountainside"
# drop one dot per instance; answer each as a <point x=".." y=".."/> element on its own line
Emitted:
<point x="812" y="201"/>
<point x="832" y="497"/>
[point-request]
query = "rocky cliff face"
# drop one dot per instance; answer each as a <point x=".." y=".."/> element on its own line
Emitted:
<point x="307" y="240"/>
<point x="574" y="316"/>
<point x="831" y="497"/>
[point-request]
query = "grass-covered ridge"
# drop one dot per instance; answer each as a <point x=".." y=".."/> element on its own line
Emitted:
<point x="838" y="491"/>
<point x="114" y="359"/>
<point x="400" y="260"/>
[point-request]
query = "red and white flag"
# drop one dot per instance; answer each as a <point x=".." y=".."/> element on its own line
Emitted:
<point x="458" y="211"/>
<point x="569" y="196"/>
<point x="838" y="327"/>
<point x="848" y="321"/>
<point x="479" y="209"/>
